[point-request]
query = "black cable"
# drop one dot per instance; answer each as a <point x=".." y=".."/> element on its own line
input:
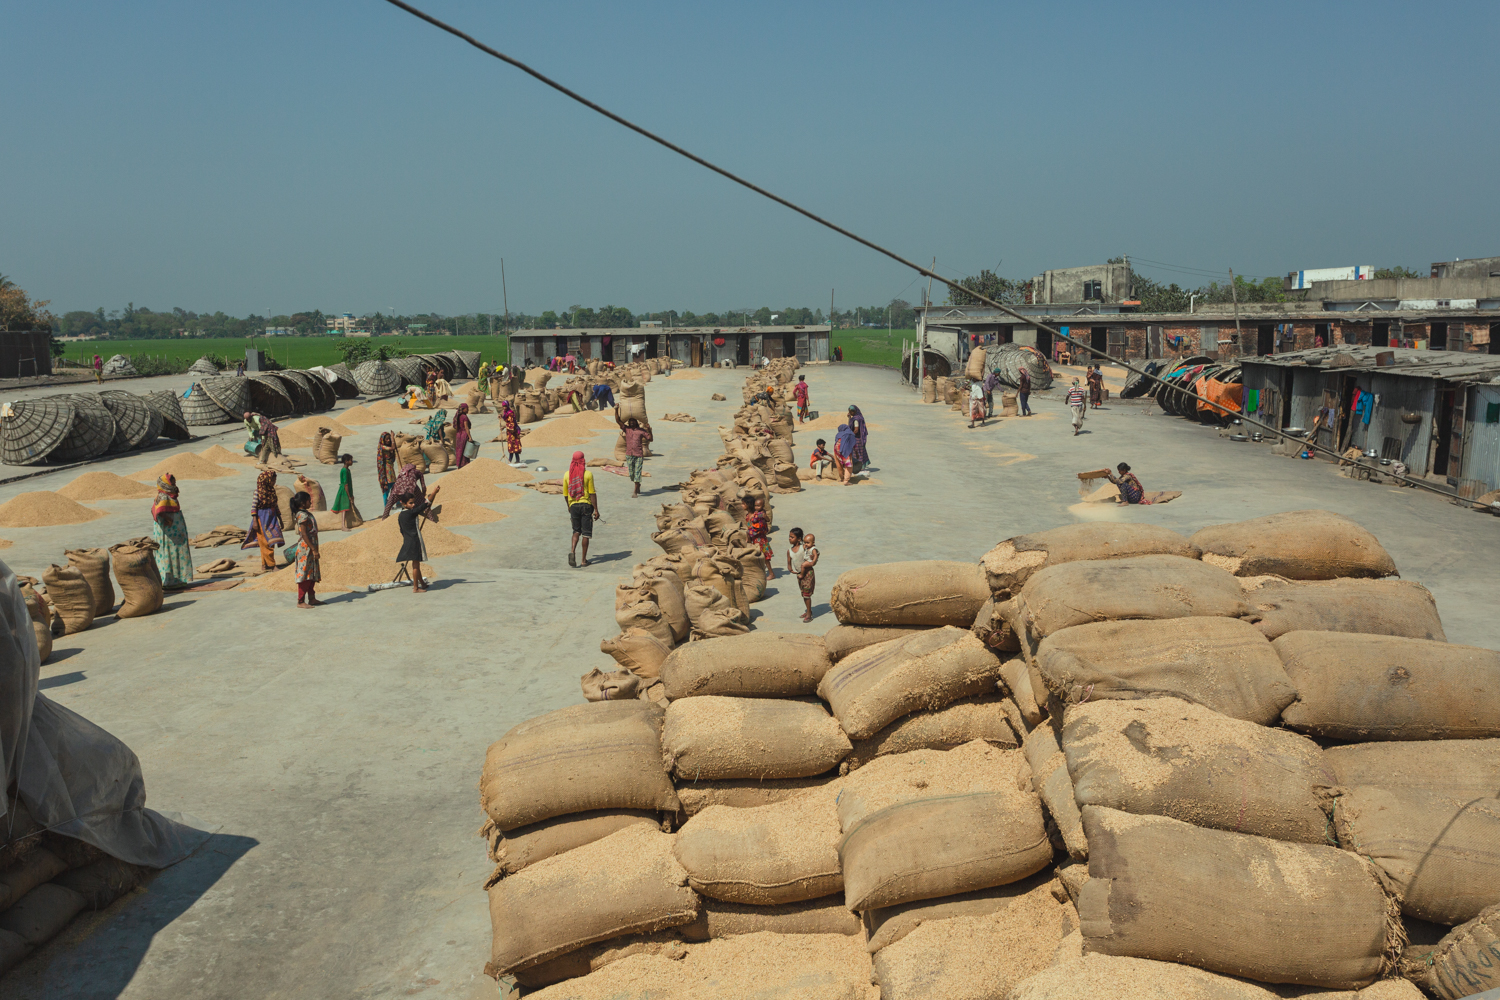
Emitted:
<point x="925" y="272"/>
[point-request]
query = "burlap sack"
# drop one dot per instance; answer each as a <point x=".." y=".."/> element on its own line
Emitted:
<point x="1166" y="757"/>
<point x="614" y="685"/>
<point x="40" y="915"/>
<point x="1358" y="688"/>
<point x="768" y="855"/>
<point x="1010" y="564"/>
<point x="870" y="689"/>
<point x="632" y="402"/>
<point x="1439" y="852"/>
<point x="1466" y="961"/>
<point x="39" y="866"/>
<point x="314" y="492"/>
<point x="684" y="536"/>
<point x="1220" y="663"/>
<point x="721" y="738"/>
<point x="757" y="665"/>
<point x="666" y="589"/>
<point x="70" y="596"/>
<point x="841" y="640"/>
<point x="899" y="815"/>
<point x="43" y="633"/>
<point x="140" y="580"/>
<point x="625" y="883"/>
<point x="325" y="446"/>
<point x="1298" y="545"/>
<point x="638" y="651"/>
<point x="1015" y="675"/>
<point x="439" y="457"/>
<point x="1051" y="781"/>
<point x="646" y="615"/>
<point x="698" y="796"/>
<point x="752" y="571"/>
<point x="974" y="370"/>
<point x="599" y="755"/>
<point x="953" y="956"/>
<point x="826" y="915"/>
<point x="1460" y="769"/>
<point x="1102" y="976"/>
<point x="1149" y="587"/>
<point x="1234" y="903"/>
<point x="409" y="452"/>
<point x="988" y="717"/>
<point x="929" y="389"/>
<point x="928" y="592"/>
<point x="890" y="924"/>
<point x="1377" y="607"/>
<point x="94" y="565"/>
<point x="720" y="623"/>
<point x="524" y="846"/>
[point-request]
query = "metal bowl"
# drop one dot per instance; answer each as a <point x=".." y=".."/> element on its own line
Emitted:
<point x="1238" y="437"/>
<point x="1257" y="437"/>
<point x="1295" y="432"/>
<point x="1371" y="453"/>
<point x="1385" y="461"/>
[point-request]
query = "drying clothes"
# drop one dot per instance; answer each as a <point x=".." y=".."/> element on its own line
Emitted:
<point x="1252" y="401"/>
<point x="1364" y="405"/>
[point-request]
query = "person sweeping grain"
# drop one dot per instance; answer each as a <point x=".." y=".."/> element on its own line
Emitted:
<point x="583" y="505"/>
<point x="801" y="557"/>
<point x="343" y="503"/>
<point x="309" y="556"/>
<point x="413" y="551"/>
<point x="512" y="424"/>
<point x="409" y="483"/>
<point x="463" y="430"/>
<point x="265" y="521"/>
<point x="385" y="464"/>
<point x="174" y="558"/>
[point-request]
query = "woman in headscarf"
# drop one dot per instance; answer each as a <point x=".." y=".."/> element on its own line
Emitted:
<point x="758" y="530"/>
<point x="385" y="464"/>
<point x="409" y="483"/>
<point x="482" y="380"/>
<point x="435" y="425"/>
<point x="462" y="431"/>
<point x="265" y="521"/>
<point x="844" y="444"/>
<point x="252" y="428"/>
<point x="583" y="505"/>
<point x="861" y="430"/>
<point x="174" y="559"/>
<point x="270" y="440"/>
<point x="429" y="380"/>
<point x="309" y="556"/>
<point x="512" y="424"/>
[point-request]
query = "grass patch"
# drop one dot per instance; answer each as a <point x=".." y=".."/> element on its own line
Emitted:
<point x="169" y="356"/>
<point x="872" y="347"/>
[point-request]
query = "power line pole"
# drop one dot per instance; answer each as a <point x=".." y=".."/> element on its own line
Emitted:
<point x="505" y="296"/>
<point x="1235" y="295"/>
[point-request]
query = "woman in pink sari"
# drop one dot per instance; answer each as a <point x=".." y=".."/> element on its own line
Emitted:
<point x="462" y="431"/>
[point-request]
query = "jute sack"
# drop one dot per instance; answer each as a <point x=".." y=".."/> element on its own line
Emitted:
<point x="717" y="624"/>
<point x="1221" y="663"/>
<point x="1440" y="853"/>
<point x="977" y="956"/>
<point x="638" y="651"/>
<point x="70" y="596"/>
<point x="781" y="449"/>
<point x="1102" y="976"/>
<point x="1010" y="564"/>
<point x="929" y="389"/>
<point x="325" y="446"/>
<point x="1359" y="688"/>
<point x="1298" y="545"/>
<point x="674" y="540"/>
<point x="626" y="595"/>
<point x="901" y="816"/>
<point x="974" y="370"/>
<point x="841" y="640"/>
<point x="752" y="571"/>
<point x="140" y="579"/>
<point x="1466" y="961"/>
<point x="615" y="685"/>
<point x="990" y="718"/>
<point x="632" y="402"/>
<point x="927" y="592"/>
<point x="1165" y="757"/>
<point x="40" y="866"/>
<point x="785" y="478"/>
<point x="670" y="944"/>
<point x="313" y="490"/>
<point x="825" y="915"/>
<point x="42" y="913"/>
<point x="993" y="627"/>
<point x="646" y="615"/>
<point x="1234" y="903"/>
<point x="625" y="883"/>
<point x="527" y="845"/>
<point x="720" y="524"/>
<point x="716" y="737"/>
<point x="737" y="794"/>
<point x="768" y="855"/>
<point x="1016" y="676"/>
<point x="1050" y="779"/>
<point x="1460" y="769"/>
<point x="43" y="634"/>
<point x="1377" y="607"/>
<point x="890" y="924"/>
<point x="666" y="588"/>
<point x="756" y="665"/>
<point x="598" y="755"/>
<point x="94" y="565"/>
<point x="877" y="685"/>
<point x="409" y="452"/>
<point x="438" y="456"/>
<point x="1150" y="587"/>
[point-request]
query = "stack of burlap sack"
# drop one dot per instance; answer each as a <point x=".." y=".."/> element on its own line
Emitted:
<point x="759" y="444"/>
<point x="1107" y="760"/>
<point x="427" y="456"/>
<point x="68" y="599"/>
<point x="940" y="389"/>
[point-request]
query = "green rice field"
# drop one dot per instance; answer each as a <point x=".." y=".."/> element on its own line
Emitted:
<point x="293" y="352"/>
<point x="872" y="347"/>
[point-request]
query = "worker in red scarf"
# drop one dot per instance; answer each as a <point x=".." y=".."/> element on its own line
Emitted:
<point x="583" y="506"/>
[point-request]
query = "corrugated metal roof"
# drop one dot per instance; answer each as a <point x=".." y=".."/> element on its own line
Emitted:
<point x="1452" y="366"/>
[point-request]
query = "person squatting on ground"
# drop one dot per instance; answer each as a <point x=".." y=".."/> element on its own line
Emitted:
<point x="1131" y="491"/>
<point x="583" y="506"/>
<point x="636" y="439"/>
<point x="821" y="459"/>
<point x="801" y="557"/>
<point x="309" y="556"/>
<point x="800" y="394"/>
<point x="1077" y="402"/>
<point x="413" y="550"/>
<point x="976" y="403"/>
<point x="1023" y="391"/>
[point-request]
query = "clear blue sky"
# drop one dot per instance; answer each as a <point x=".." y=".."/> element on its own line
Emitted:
<point x="342" y="155"/>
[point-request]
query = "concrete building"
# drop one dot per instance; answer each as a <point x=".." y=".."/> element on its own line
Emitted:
<point x="694" y="346"/>
<point x="1077" y="286"/>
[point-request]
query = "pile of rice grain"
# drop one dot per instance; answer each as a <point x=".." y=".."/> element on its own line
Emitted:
<point x="388" y="410"/>
<point x="94" y="486"/>
<point x="383" y="539"/>
<point x="476" y="481"/>
<point x="44" y="509"/>
<point x="360" y="416"/>
<point x="184" y="465"/>
<point x="458" y="512"/>
<point x="220" y="454"/>
<point x="309" y="426"/>
<point x="566" y="431"/>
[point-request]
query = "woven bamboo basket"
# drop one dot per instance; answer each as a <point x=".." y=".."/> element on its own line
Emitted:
<point x="32" y="428"/>
<point x="132" y="420"/>
<point x="92" y="432"/>
<point x="173" y="424"/>
<point x="199" y="409"/>
<point x="377" y="379"/>
<point x="269" y="396"/>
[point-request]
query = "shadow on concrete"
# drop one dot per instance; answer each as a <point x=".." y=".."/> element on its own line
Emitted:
<point x="608" y="557"/>
<point x="60" y="680"/>
<point x="97" y="955"/>
<point x="58" y="655"/>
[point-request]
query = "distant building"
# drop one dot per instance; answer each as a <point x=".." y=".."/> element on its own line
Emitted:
<point x="345" y="324"/>
<point x="1077" y="286"/>
<point x="281" y="331"/>
<point x="1298" y="280"/>
<point x="694" y="346"/>
<point x="1474" y="267"/>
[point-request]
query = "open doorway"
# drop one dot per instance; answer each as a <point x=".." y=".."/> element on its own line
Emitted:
<point x="1380" y="336"/>
<point x="1044" y="342"/>
<point x="1442" y="438"/>
<point x="1494" y="336"/>
<point x="1438" y="338"/>
<point x="1265" y="339"/>
<point x="742" y="349"/>
<point x="1098" y="340"/>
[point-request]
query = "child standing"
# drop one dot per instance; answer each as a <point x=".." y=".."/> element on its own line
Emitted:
<point x="344" y="501"/>
<point x="801" y="557"/>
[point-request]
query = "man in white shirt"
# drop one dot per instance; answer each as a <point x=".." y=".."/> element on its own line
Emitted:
<point x="1078" y="403"/>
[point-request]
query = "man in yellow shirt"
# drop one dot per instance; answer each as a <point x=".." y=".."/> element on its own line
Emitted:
<point x="583" y="505"/>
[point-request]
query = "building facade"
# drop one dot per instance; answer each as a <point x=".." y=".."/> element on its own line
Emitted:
<point x="695" y="347"/>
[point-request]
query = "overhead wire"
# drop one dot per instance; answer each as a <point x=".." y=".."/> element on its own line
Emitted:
<point x="835" y="227"/>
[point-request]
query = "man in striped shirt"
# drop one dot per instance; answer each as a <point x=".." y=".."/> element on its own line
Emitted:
<point x="1078" y="403"/>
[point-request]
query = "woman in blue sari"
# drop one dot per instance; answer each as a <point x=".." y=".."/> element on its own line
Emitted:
<point x="844" y="445"/>
<point x="861" y="432"/>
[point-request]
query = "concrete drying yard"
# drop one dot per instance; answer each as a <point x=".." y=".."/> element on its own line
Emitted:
<point x="337" y="752"/>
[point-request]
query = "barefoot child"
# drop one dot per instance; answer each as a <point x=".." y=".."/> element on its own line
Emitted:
<point x="801" y="557"/>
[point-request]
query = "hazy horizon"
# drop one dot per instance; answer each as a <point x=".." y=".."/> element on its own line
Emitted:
<point x="347" y="157"/>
